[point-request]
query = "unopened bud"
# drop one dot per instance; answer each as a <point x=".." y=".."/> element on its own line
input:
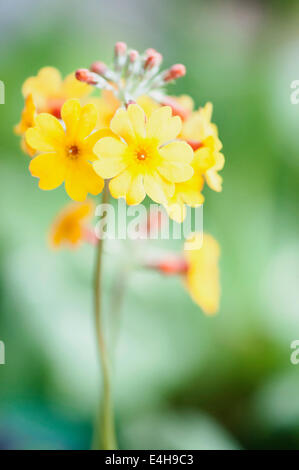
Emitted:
<point x="86" y="76"/>
<point x="171" y="266"/>
<point x="120" y="49"/>
<point x="153" y="59"/>
<point x="176" y="71"/>
<point x="133" y="55"/>
<point x="98" y="67"/>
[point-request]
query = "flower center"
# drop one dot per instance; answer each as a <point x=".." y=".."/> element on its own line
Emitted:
<point x="73" y="152"/>
<point x="141" y="155"/>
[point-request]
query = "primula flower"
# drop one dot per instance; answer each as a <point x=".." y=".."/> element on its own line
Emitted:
<point x="27" y="121"/>
<point x="69" y="227"/>
<point x="141" y="159"/>
<point x="66" y="153"/>
<point x="202" y="134"/>
<point x="50" y="91"/>
<point x="202" y="274"/>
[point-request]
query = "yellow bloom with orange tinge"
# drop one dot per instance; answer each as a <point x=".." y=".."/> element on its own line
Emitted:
<point x="27" y="121"/>
<point x="189" y="192"/>
<point x="65" y="154"/>
<point x="50" y="91"/>
<point x="202" y="276"/>
<point x="69" y="226"/>
<point x="202" y="134"/>
<point x="143" y="158"/>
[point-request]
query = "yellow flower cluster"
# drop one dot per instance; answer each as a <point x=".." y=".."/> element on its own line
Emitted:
<point x="155" y="145"/>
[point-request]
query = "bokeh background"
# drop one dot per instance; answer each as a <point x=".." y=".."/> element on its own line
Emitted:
<point x="181" y="380"/>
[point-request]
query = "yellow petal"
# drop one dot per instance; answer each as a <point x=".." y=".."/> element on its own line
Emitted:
<point x="109" y="167"/>
<point x="72" y="88"/>
<point x="87" y="121"/>
<point x="96" y="136"/>
<point x="177" y="152"/>
<point x="136" y="192"/>
<point x="122" y="126"/>
<point x="162" y="126"/>
<point x="176" y="172"/>
<point x="111" y="154"/>
<point x="81" y="180"/>
<point x="203" y="274"/>
<point x="70" y="114"/>
<point x="47" y="134"/>
<point x="177" y="211"/>
<point x="47" y="82"/>
<point x="119" y="186"/>
<point x="157" y="188"/>
<point x="138" y="119"/>
<point x="50" y="169"/>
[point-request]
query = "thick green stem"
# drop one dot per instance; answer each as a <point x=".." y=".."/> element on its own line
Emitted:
<point x="106" y="431"/>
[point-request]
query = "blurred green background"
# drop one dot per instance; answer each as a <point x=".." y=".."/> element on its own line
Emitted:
<point x="181" y="380"/>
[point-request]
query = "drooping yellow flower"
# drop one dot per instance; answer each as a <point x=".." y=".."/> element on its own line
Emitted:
<point x="202" y="134"/>
<point x="27" y="121"/>
<point x="69" y="227"/>
<point x="50" y="91"/>
<point x="144" y="159"/>
<point x="202" y="275"/>
<point x="189" y="192"/>
<point x="66" y="153"/>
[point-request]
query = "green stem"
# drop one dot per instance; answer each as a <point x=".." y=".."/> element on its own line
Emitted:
<point x="107" y="431"/>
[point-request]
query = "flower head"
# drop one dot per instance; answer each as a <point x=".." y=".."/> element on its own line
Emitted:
<point x="50" y="91"/>
<point x="143" y="158"/>
<point x="65" y="154"/>
<point x="69" y="227"/>
<point x="202" y="276"/>
<point x="27" y="121"/>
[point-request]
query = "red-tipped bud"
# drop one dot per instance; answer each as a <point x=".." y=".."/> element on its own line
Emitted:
<point x="153" y="59"/>
<point x="176" y="71"/>
<point x="120" y="49"/>
<point x="177" y="109"/>
<point x="133" y="56"/>
<point x="86" y="76"/>
<point x="171" y="266"/>
<point x="195" y="144"/>
<point x="98" y="67"/>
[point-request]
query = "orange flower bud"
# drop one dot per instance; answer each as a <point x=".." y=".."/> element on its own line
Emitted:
<point x="176" y="71"/>
<point x="153" y="59"/>
<point x="84" y="75"/>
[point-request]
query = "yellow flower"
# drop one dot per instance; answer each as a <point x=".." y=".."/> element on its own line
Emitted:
<point x="202" y="134"/>
<point x="144" y="159"/>
<point x="69" y="226"/>
<point x="66" y="153"/>
<point x="27" y="121"/>
<point x="202" y="276"/>
<point x="188" y="193"/>
<point x="50" y="91"/>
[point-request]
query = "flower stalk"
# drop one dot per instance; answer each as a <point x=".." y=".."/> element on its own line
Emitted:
<point x="106" y="421"/>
